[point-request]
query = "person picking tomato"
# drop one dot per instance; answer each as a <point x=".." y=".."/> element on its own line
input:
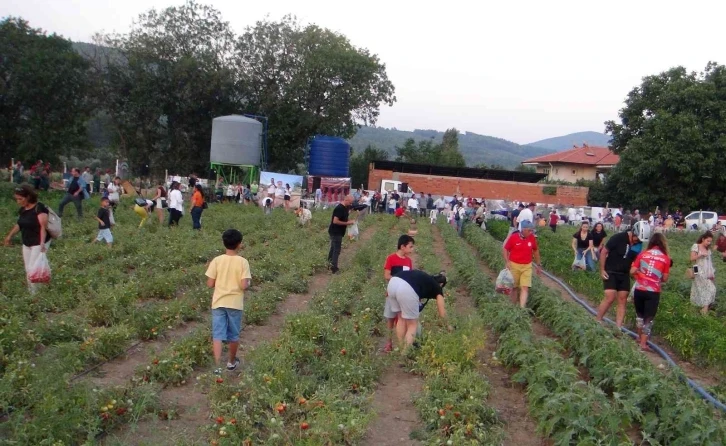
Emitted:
<point x="396" y="263"/>
<point x="406" y="290"/>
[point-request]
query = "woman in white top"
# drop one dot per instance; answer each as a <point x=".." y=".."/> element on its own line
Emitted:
<point x="231" y="192"/>
<point x="391" y="205"/>
<point x="288" y="196"/>
<point x="176" y="204"/>
<point x="703" y="289"/>
<point x="279" y="195"/>
<point x="113" y="192"/>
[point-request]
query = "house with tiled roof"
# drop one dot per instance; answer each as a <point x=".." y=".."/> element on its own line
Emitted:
<point x="586" y="163"/>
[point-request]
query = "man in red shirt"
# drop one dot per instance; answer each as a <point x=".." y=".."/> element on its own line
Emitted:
<point x="518" y="252"/>
<point x="395" y="263"/>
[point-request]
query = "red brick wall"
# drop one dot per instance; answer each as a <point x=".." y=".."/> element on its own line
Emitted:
<point x="489" y="189"/>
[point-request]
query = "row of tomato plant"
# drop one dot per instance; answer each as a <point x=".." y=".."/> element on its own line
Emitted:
<point x="666" y="411"/>
<point x="453" y="405"/>
<point x="692" y="335"/>
<point x="313" y="384"/>
<point x="568" y="409"/>
<point x="34" y="384"/>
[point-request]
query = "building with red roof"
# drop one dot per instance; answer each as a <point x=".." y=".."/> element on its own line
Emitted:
<point x="578" y="163"/>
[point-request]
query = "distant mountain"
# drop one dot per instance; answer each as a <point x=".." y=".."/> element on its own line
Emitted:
<point x="559" y="143"/>
<point x="476" y="149"/>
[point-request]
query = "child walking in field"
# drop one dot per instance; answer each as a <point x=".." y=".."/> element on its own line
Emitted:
<point x="229" y="275"/>
<point x="104" y="223"/>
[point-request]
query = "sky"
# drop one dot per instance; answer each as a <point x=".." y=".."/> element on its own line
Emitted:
<point x="519" y="70"/>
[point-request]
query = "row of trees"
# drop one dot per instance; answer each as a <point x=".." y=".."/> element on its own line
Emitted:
<point x="446" y="153"/>
<point x="157" y="88"/>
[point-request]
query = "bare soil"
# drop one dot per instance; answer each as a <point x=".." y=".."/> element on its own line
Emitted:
<point x="120" y="370"/>
<point x="188" y="405"/>
<point x="506" y="397"/>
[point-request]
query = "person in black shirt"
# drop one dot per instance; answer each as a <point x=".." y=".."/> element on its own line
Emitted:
<point x="104" y="223"/>
<point x="406" y="290"/>
<point x="515" y="217"/>
<point x="336" y="231"/>
<point x="74" y="194"/>
<point x="32" y="223"/>
<point x="615" y="260"/>
<point x="582" y="245"/>
<point x="598" y="239"/>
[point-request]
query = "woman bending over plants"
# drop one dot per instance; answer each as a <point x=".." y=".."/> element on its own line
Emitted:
<point x="650" y="269"/>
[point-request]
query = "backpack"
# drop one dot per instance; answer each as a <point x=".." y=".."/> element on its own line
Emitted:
<point x="54" y="226"/>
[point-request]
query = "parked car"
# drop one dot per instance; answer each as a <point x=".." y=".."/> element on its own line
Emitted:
<point x="701" y="218"/>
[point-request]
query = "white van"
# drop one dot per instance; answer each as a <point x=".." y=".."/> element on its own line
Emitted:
<point x="701" y="218"/>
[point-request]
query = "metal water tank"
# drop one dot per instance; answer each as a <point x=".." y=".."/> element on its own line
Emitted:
<point x="236" y="140"/>
<point x="329" y="157"/>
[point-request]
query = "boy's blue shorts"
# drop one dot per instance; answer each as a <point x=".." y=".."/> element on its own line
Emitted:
<point x="226" y="324"/>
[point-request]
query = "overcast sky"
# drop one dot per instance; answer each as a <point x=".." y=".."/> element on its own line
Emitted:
<point x="519" y="70"/>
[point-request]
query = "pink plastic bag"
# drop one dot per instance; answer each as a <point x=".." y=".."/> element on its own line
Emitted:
<point x="39" y="270"/>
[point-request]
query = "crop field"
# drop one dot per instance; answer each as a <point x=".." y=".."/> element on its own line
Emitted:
<point x="116" y="350"/>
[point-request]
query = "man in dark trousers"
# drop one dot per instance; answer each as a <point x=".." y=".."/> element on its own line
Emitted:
<point x="336" y="230"/>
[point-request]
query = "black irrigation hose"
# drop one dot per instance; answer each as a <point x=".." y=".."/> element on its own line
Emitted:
<point x="89" y="370"/>
<point x="692" y="384"/>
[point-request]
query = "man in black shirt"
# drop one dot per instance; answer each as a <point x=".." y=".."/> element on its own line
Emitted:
<point x="336" y="230"/>
<point x="74" y="194"/>
<point x="615" y="260"/>
<point x="406" y="290"/>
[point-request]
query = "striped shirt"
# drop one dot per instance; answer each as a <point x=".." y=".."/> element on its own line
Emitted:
<point x="651" y="266"/>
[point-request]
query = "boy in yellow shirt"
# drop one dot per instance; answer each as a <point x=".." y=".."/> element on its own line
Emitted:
<point x="229" y="275"/>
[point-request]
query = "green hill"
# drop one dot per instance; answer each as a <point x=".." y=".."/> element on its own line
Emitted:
<point x="559" y="143"/>
<point x="477" y="149"/>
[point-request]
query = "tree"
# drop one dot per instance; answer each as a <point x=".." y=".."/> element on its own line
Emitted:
<point x="427" y="152"/>
<point x="42" y="94"/>
<point x="308" y="80"/>
<point x="450" y="154"/>
<point x="523" y="168"/>
<point x="360" y="161"/>
<point x="671" y="138"/>
<point x="165" y="81"/>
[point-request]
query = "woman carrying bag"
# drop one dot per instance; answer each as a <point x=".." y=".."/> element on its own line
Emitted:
<point x="32" y="224"/>
<point x="650" y="269"/>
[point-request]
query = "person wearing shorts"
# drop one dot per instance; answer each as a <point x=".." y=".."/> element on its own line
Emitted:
<point x="405" y="291"/>
<point x="229" y="275"/>
<point x="615" y="260"/>
<point x="519" y="250"/>
<point x="104" y="223"/>
<point x="650" y="269"/>
<point x="395" y="263"/>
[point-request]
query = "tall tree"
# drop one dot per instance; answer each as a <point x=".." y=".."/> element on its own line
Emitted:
<point x="360" y="162"/>
<point x="308" y="80"/>
<point x="42" y="94"/>
<point x="672" y="133"/>
<point x="450" y="154"/>
<point x="427" y="152"/>
<point x="165" y="81"/>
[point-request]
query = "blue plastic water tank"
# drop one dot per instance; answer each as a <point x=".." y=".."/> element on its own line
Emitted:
<point x="329" y="157"/>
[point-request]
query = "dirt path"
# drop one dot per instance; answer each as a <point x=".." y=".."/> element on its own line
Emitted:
<point x="396" y="417"/>
<point x="507" y="398"/>
<point x="188" y="405"/>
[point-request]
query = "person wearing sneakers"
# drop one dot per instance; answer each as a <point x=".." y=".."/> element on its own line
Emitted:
<point x="650" y="269"/>
<point x="519" y="250"/>
<point x="229" y="275"/>
<point x="395" y="263"/>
